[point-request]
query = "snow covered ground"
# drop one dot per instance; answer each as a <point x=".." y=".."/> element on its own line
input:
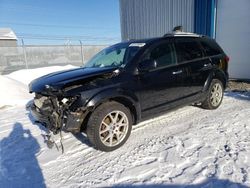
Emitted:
<point x="189" y="147"/>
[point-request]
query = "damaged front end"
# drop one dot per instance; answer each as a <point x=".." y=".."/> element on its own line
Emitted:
<point x="58" y="113"/>
<point x="61" y="97"/>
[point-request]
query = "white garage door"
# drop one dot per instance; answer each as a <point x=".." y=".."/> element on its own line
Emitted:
<point x="233" y="34"/>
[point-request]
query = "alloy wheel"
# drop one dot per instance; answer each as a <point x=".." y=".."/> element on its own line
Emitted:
<point x="216" y="94"/>
<point x="113" y="128"/>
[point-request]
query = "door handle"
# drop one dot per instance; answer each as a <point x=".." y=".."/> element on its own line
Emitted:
<point x="177" y="72"/>
<point x="207" y="64"/>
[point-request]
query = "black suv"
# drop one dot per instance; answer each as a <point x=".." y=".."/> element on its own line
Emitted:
<point x="130" y="82"/>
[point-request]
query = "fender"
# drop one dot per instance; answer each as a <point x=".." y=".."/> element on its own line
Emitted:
<point x="216" y="73"/>
<point x="115" y="93"/>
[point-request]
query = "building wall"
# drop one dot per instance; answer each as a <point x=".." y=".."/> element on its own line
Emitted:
<point x="204" y="17"/>
<point x="154" y="18"/>
<point x="232" y="33"/>
<point x="8" y="43"/>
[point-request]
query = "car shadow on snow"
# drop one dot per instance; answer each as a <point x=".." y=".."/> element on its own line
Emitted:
<point x="211" y="182"/>
<point x="18" y="163"/>
<point x="241" y="95"/>
<point x="83" y="139"/>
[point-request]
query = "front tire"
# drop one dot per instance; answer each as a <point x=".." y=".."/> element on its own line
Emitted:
<point x="109" y="126"/>
<point x="214" y="95"/>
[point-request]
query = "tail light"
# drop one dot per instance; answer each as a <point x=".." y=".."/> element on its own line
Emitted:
<point x="227" y="59"/>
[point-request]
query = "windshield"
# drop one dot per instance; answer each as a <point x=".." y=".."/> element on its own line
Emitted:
<point x="115" y="56"/>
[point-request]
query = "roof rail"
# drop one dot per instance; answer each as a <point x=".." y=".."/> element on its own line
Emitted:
<point x="178" y="32"/>
<point x="182" y="34"/>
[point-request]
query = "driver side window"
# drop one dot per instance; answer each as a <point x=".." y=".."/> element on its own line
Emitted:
<point x="163" y="54"/>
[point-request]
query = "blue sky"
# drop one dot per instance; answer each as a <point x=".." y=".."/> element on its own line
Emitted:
<point x="91" y="21"/>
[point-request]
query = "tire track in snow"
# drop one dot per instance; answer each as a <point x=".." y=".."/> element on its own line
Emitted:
<point x="176" y="152"/>
<point x="184" y="146"/>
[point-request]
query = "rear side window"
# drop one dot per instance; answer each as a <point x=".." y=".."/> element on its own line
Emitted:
<point x="187" y="49"/>
<point x="210" y="48"/>
<point x="163" y="54"/>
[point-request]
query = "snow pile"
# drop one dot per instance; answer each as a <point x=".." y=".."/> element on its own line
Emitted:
<point x="14" y="87"/>
<point x="13" y="92"/>
<point x="27" y="75"/>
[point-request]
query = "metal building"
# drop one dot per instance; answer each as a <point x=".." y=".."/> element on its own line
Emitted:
<point x="225" y="20"/>
<point x="152" y="18"/>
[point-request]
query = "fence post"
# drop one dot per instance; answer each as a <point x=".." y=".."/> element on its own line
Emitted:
<point x="24" y="54"/>
<point x="82" y="58"/>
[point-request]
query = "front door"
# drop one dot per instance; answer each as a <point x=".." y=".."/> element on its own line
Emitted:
<point x="159" y="87"/>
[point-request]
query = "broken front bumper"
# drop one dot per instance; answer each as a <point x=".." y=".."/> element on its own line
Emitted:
<point x="39" y="117"/>
<point x="57" y="118"/>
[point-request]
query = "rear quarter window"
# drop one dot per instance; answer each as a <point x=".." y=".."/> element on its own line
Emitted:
<point x="211" y="48"/>
<point x="187" y="49"/>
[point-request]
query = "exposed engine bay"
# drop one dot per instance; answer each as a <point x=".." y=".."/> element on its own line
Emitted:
<point x="57" y="113"/>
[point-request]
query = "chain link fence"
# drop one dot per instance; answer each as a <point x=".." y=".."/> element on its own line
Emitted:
<point x="28" y="56"/>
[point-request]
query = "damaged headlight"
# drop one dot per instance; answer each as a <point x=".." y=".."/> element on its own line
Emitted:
<point x="67" y="101"/>
<point x="64" y="100"/>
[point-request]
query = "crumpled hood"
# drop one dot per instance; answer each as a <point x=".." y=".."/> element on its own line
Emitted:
<point x="60" y="79"/>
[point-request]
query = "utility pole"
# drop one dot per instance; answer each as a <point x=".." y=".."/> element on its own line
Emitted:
<point x="81" y="52"/>
<point x="24" y="54"/>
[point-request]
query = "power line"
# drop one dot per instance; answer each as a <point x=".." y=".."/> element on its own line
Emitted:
<point x="85" y="39"/>
<point x="37" y="9"/>
<point x="73" y="37"/>
<point x="57" y="26"/>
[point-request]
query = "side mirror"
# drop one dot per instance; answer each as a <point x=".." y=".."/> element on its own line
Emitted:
<point x="147" y="65"/>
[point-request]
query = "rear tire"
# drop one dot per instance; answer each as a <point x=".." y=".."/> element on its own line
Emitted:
<point x="109" y="126"/>
<point x="214" y="95"/>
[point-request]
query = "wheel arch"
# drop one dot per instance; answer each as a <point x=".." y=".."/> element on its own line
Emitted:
<point x="126" y="98"/>
<point x="129" y="104"/>
<point x="216" y="74"/>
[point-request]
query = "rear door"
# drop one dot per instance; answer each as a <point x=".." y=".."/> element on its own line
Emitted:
<point x="195" y="65"/>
